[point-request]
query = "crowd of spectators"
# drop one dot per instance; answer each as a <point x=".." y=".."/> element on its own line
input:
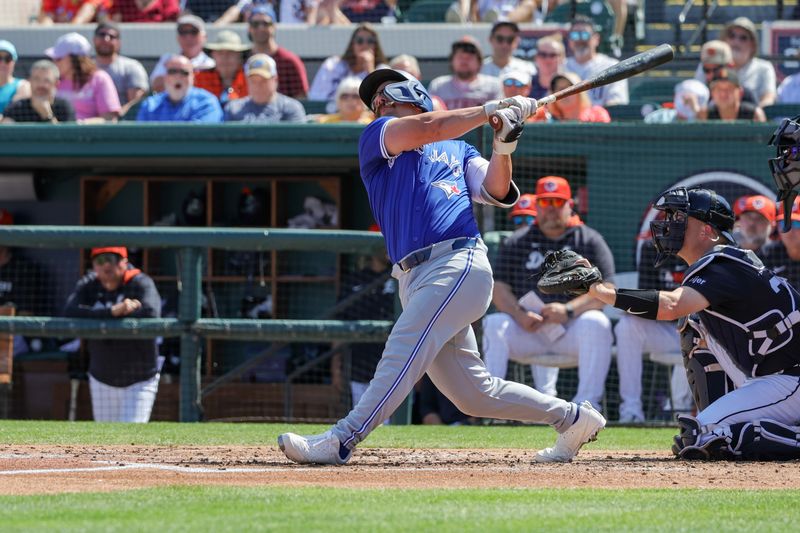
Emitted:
<point x="95" y="83"/>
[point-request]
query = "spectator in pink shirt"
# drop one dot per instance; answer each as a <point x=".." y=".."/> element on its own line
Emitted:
<point x="90" y="90"/>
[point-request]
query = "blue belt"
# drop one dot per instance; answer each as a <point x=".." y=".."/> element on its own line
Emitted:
<point x="420" y="256"/>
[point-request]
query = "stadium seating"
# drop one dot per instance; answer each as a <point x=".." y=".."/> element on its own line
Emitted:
<point x="427" y="11"/>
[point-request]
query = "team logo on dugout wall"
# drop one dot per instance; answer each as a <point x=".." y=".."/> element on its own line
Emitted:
<point x="731" y="185"/>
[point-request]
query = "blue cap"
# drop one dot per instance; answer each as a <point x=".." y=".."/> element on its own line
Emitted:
<point x="6" y="46"/>
<point x="262" y="9"/>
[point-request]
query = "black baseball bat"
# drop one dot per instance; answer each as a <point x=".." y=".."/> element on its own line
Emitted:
<point x="624" y="69"/>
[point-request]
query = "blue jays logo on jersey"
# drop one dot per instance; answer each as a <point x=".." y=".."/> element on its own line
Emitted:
<point x="450" y="188"/>
<point x="455" y="165"/>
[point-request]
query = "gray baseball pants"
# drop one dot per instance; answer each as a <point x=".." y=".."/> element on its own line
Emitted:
<point x="441" y="298"/>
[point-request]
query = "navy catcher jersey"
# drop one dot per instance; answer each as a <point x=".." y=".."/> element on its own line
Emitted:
<point x="519" y="261"/>
<point x="752" y="311"/>
<point x="419" y="197"/>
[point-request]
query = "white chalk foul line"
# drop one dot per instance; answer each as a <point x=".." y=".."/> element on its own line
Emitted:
<point x="141" y="466"/>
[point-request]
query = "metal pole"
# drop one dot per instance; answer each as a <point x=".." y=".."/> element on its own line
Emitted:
<point x="189" y="290"/>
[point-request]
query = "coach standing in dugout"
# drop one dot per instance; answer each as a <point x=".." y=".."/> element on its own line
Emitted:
<point x="123" y="374"/>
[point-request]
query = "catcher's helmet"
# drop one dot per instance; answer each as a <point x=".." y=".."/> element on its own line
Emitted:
<point x="407" y="89"/>
<point x="702" y="204"/>
<point x="785" y="167"/>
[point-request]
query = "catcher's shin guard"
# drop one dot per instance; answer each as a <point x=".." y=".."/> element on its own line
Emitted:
<point x="764" y="440"/>
<point x="707" y="381"/>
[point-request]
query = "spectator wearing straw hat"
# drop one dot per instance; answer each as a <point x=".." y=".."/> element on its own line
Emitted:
<point x="226" y="80"/>
<point x="755" y="74"/>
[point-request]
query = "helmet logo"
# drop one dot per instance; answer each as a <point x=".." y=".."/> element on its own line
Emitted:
<point x="550" y="186"/>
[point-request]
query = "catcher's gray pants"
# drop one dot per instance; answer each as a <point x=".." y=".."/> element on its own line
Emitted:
<point x="441" y="298"/>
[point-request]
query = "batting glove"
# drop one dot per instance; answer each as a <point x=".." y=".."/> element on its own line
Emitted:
<point x="527" y="106"/>
<point x="511" y="124"/>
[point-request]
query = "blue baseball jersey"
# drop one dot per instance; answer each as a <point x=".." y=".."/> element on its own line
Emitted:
<point x="419" y="197"/>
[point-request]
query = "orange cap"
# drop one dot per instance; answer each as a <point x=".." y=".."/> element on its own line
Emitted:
<point x="119" y="250"/>
<point x="758" y="203"/>
<point x="795" y="210"/>
<point x="526" y="205"/>
<point x="553" y="187"/>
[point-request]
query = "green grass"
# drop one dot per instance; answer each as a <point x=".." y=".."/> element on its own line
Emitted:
<point x="316" y="509"/>
<point x="172" y="434"/>
<point x="306" y="509"/>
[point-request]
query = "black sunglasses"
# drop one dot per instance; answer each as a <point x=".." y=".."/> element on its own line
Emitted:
<point x="107" y="35"/>
<point x="188" y="31"/>
<point x="546" y="55"/>
<point x="708" y="70"/>
<point x="365" y="40"/>
<point x="177" y="72"/>
<point x="6" y="58"/>
<point x="504" y="39"/>
<point x="107" y="258"/>
<point x="260" y="23"/>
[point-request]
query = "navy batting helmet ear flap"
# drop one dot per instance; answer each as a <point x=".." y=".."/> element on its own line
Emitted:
<point x="407" y="89"/>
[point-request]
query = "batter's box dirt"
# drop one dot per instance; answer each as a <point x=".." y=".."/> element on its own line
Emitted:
<point x="55" y="469"/>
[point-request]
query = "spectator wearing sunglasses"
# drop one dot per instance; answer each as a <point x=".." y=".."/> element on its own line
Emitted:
<point x="128" y="75"/>
<point x="523" y="214"/>
<point x="191" y="40"/>
<point x="466" y="86"/>
<point x="292" y="77"/>
<point x="716" y="59"/>
<point x="586" y="61"/>
<point x="577" y="107"/>
<point x="145" y="11"/>
<point x="519" y="333"/>
<point x="755" y="74"/>
<point x="349" y="107"/>
<point x="782" y="256"/>
<point x="362" y="55"/>
<point x="265" y="104"/>
<point x="123" y="373"/>
<point x="181" y="101"/>
<point x="11" y="89"/>
<point x="504" y="39"/>
<point x="549" y="59"/>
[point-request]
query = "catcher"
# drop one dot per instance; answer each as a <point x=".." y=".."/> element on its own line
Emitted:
<point x="747" y="319"/>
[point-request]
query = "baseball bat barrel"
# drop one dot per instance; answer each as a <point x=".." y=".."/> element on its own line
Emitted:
<point x="623" y="70"/>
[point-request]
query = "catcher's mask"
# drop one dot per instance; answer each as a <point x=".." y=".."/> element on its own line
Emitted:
<point x="678" y="205"/>
<point x="785" y="167"/>
<point x="406" y="89"/>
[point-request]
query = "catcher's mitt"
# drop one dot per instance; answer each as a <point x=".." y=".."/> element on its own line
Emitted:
<point x="565" y="272"/>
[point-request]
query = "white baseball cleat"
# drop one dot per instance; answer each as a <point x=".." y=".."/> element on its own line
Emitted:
<point x="583" y="430"/>
<point x="324" y="449"/>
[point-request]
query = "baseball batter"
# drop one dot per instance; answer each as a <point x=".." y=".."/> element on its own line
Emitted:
<point x="421" y="185"/>
<point x="748" y="318"/>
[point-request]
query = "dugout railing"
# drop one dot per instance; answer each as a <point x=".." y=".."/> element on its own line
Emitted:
<point x="189" y="326"/>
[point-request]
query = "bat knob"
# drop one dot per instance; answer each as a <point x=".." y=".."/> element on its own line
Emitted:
<point x="495" y="123"/>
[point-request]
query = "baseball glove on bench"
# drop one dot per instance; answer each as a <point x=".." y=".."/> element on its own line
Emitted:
<point x="565" y="272"/>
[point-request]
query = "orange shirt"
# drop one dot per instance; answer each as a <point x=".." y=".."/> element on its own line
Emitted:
<point x="211" y="81"/>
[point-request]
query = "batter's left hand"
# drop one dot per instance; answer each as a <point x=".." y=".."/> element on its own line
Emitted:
<point x="555" y="313"/>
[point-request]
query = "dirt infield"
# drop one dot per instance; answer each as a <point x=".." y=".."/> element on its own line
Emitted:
<point x="56" y="469"/>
